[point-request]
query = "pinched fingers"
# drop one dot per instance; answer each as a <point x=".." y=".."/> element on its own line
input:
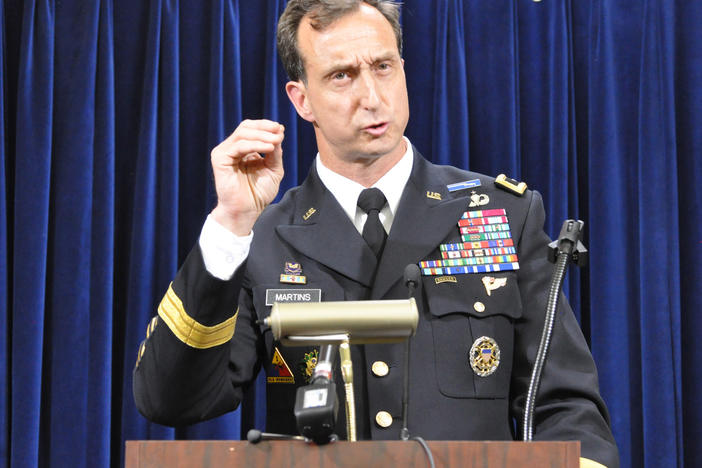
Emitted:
<point x="251" y="136"/>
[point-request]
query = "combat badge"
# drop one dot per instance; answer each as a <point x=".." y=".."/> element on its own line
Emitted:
<point x="484" y="356"/>
<point x="293" y="274"/>
<point x="478" y="199"/>
<point x="281" y="370"/>
<point x="309" y="362"/>
<point x="466" y="184"/>
<point x="492" y="283"/>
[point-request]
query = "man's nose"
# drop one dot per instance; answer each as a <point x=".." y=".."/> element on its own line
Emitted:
<point x="368" y="91"/>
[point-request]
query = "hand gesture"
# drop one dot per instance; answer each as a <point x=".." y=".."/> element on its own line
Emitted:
<point x="248" y="168"/>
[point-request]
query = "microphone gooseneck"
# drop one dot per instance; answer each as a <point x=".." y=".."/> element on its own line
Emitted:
<point x="568" y="247"/>
<point x="411" y="277"/>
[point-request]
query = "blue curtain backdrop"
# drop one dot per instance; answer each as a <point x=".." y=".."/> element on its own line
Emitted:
<point x="108" y="112"/>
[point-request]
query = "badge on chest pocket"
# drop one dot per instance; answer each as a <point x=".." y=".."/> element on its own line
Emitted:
<point x="473" y="333"/>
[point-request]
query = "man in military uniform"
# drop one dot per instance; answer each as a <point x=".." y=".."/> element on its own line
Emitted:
<point x="479" y="243"/>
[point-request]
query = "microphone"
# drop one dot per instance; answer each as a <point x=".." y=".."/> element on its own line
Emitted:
<point x="316" y="404"/>
<point x="325" y="363"/>
<point x="411" y="277"/>
<point x="255" y="436"/>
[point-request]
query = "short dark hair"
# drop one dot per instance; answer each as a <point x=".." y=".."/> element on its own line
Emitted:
<point x="323" y="13"/>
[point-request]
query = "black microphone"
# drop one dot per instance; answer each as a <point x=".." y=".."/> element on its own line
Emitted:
<point x="411" y="277"/>
<point x="255" y="436"/>
<point x="316" y="404"/>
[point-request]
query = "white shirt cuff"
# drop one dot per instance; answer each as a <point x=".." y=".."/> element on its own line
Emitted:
<point x="222" y="250"/>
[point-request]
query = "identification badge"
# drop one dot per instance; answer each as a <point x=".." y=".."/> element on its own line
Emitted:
<point x="293" y="295"/>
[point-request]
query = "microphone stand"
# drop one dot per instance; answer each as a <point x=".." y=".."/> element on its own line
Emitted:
<point x="411" y="278"/>
<point x="568" y="247"/>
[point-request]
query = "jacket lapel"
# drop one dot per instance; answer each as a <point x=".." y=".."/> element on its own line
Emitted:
<point x="321" y="230"/>
<point x="421" y="223"/>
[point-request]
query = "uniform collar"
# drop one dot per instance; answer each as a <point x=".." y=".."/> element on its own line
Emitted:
<point x="346" y="191"/>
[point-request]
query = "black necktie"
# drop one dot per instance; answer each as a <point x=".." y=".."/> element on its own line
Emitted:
<point x="372" y="200"/>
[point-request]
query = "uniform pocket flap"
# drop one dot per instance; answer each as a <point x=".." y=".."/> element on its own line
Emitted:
<point x="477" y="295"/>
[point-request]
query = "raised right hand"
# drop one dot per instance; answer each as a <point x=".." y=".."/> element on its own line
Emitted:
<point x="248" y="168"/>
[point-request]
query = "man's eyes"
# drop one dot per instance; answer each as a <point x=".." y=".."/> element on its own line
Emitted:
<point x="344" y="75"/>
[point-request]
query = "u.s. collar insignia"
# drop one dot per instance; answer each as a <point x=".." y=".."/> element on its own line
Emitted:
<point x="433" y="195"/>
<point x="484" y="356"/>
<point x="309" y="362"/>
<point x="293" y="274"/>
<point x="281" y="371"/>
<point x="492" y="283"/>
<point x="309" y="213"/>
<point x="478" y="199"/>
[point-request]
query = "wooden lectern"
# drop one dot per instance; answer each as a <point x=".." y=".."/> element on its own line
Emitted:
<point x="370" y="454"/>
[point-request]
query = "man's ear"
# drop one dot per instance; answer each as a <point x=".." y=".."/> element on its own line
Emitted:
<point x="297" y="93"/>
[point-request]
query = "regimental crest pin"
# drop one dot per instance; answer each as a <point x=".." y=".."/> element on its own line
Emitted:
<point x="484" y="356"/>
<point x="281" y="372"/>
<point x="309" y="362"/>
<point x="478" y="199"/>
<point x="293" y="274"/>
<point x="492" y="283"/>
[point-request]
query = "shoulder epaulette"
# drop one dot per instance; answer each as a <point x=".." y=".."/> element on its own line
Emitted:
<point x="510" y="185"/>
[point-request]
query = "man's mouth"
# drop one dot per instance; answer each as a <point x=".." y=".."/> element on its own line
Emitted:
<point x="376" y="129"/>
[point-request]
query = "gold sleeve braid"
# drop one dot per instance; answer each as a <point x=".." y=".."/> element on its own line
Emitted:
<point x="187" y="329"/>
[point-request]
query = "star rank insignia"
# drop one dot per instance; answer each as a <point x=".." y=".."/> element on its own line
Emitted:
<point x="484" y="356"/>
<point x="293" y="274"/>
<point x="281" y="372"/>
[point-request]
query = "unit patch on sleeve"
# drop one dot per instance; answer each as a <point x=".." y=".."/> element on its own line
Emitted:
<point x="281" y="371"/>
<point x="487" y="246"/>
<point x="309" y="362"/>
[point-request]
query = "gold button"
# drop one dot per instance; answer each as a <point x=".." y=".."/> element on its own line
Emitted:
<point x="380" y="369"/>
<point x="479" y="306"/>
<point x="383" y="419"/>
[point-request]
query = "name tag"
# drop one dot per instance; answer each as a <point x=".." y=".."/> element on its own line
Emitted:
<point x="293" y="295"/>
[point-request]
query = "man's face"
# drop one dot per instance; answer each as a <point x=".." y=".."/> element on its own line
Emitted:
<point x="355" y="95"/>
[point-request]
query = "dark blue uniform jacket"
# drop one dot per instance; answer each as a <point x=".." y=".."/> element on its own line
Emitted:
<point x="178" y="384"/>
